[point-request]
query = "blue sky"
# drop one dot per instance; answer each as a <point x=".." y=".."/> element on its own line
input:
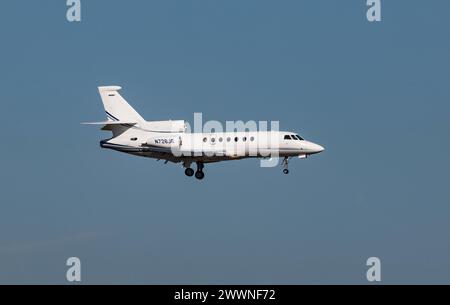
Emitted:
<point x="376" y="95"/>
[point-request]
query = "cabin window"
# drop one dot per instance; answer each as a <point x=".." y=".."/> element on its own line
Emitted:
<point x="252" y="139"/>
<point x="133" y="139"/>
<point x="205" y="139"/>
<point x="213" y="140"/>
<point x="287" y="137"/>
<point x="220" y="139"/>
<point x="236" y="139"/>
<point x="244" y="139"/>
<point x="228" y="139"/>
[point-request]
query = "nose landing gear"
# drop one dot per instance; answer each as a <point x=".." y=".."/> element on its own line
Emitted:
<point x="285" y="165"/>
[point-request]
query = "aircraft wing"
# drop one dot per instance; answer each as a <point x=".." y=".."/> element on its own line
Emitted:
<point x="183" y="152"/>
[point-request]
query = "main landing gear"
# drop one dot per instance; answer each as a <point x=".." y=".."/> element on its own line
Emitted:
<point x="199" y="174"/>
<point x="285" y="165"/>
<point x="189" y="172"/>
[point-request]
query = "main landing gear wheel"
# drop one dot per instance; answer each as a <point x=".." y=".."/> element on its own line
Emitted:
<point x="199" y="175"/>
<point x="189" y="172"/>
<point x="285" y="171"/>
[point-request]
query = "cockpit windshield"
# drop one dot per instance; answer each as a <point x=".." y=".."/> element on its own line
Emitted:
<point x="293" y="137"/>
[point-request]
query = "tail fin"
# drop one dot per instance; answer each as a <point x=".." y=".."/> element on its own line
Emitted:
<point x="116" y="107"/>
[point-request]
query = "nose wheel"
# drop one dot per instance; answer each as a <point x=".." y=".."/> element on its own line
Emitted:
<point x="286" y="165"/>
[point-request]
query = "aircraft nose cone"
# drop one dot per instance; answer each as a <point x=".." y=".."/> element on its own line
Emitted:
<point x="316" y="148"/>
<point x="319" y="148"/>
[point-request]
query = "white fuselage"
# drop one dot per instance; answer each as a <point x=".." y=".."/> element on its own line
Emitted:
<point x="210" y="147"/>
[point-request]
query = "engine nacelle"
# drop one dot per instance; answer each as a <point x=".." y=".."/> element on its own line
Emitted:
<point x="165" y="141"/>
<point x="166" y="126"/>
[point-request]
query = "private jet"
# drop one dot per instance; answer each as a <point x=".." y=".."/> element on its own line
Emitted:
<point x="170" y="141"/>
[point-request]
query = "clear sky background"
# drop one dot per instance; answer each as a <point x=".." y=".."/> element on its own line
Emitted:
<point x="376" y="95"/>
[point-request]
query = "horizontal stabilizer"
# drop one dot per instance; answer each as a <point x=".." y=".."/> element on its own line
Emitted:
<point x="110" y="123"/>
